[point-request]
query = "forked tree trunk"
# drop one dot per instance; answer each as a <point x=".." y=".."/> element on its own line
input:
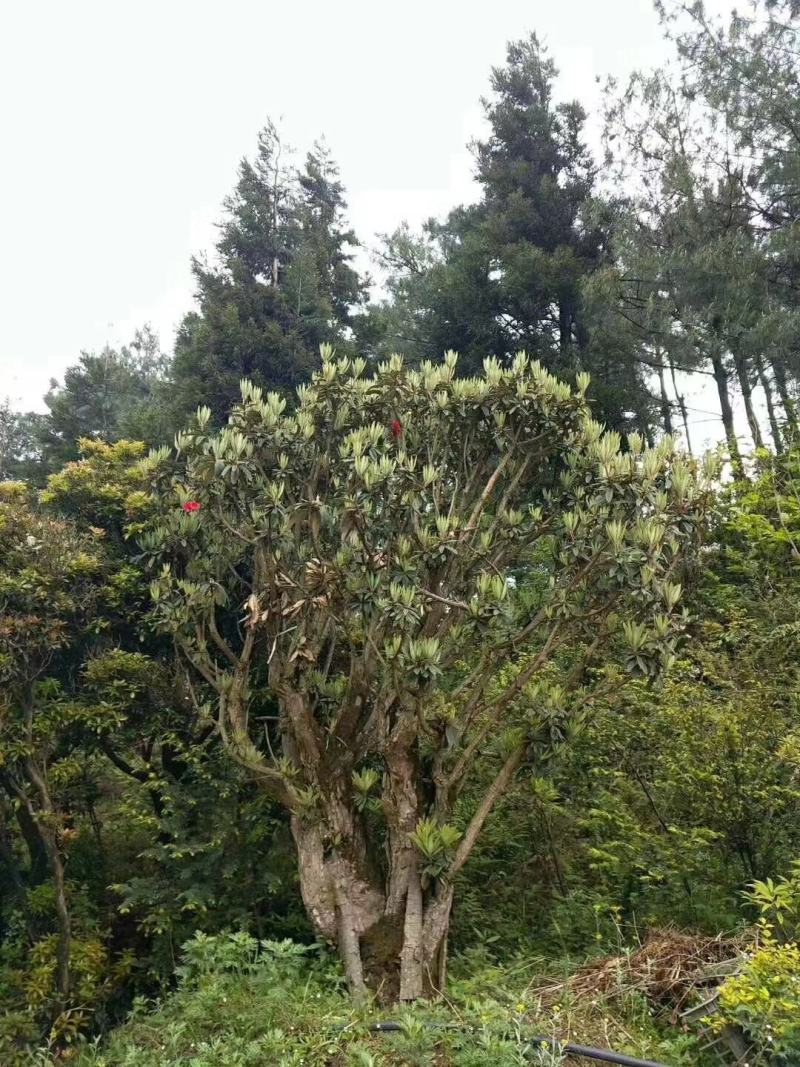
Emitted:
<point x="766" y="385"/>
<point x="390" y="924"/>
<point x="721" y="378"/>
<point x="341" y="899"/>
<point x="682" y="405"/>
<point x="743" y="375"/>
<point x="787" y="401"/>
<point x="397" y="956"/>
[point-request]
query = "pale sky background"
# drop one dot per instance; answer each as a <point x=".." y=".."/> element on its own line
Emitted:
<point x="123" y="122"/>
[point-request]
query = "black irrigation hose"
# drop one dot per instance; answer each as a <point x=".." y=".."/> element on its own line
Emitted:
<point x="586" y="1051"/>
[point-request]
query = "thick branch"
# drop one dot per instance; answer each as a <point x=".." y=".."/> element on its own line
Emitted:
<point x="493" y="794"/>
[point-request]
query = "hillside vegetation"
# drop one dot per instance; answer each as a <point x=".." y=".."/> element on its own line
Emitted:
<point x="452" y="688"/>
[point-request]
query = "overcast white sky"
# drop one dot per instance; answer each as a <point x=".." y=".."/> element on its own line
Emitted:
<point x="123" y="123"/>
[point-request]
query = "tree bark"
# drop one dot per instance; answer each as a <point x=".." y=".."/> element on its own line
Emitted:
<point x="389" y="930"/>
<point x="39" y="869"/>
<point x="721" y="378"/>
<point x="766" y="385"/>
<point x="682" y="406"/>
<point x="347" y="927"/>
<point x="787" y="402"/>
<point x="435" y="930"/>
<point x="341" y="900"/>
<point x="389" y="922"/>
<point x="666" y="407"/>
<point x="411" y="957"/>
<point x="743" y="375"/>
<point x="45" y="821"/>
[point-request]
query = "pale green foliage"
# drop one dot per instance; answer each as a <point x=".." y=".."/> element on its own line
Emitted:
<point x="764" y="1001"/>
<point x="356" y="520"/>
<point x="355" y="559"/>
<point x="778" y="904"/>
<point x="435" y="843"/>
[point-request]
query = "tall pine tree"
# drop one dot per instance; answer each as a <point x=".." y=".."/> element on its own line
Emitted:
<point x="511" y="271"/>
<point x="537" y="177"/>
<point x="281" y="285"/>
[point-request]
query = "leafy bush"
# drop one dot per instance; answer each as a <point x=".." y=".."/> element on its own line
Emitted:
<point x="240" y="954"/>
<point x="778" y="903"/>
<point x="764" y="1001"/>
<point x="245" y="1003"/>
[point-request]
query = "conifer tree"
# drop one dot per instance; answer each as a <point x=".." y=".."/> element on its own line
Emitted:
<point x="510" y="272"/>
<point x="282" y="283"/>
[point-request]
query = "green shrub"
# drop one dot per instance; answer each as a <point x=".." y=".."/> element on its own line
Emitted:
<point x="764" y="1001"/>
<point x="246" y="1003"/>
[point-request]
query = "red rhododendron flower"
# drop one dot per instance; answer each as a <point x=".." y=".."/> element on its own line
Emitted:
<point x="191" y="505"/>
<point x="396" y="427"/>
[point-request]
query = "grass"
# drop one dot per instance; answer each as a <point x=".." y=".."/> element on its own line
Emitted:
<point x="241" y="1003"/>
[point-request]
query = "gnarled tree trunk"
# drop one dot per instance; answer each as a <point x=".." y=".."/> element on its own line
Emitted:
<point x="390" y="940"/>
<point x="389" y="921"/>
<point x="342" y="901"/>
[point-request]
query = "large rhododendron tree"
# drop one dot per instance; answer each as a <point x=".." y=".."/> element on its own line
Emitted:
<point x="399" y="589"/>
